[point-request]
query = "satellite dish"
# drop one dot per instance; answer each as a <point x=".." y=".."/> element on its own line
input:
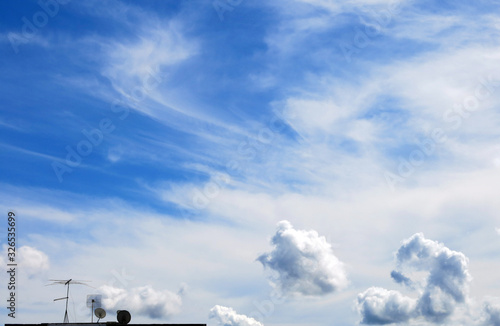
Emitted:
<point x="123" y="317"/>
<point x="100" y="313"/>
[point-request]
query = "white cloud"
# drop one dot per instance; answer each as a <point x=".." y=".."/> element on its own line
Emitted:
<point x="137" y="67"/>
<point x="228" y="317"/>
<point x="303" y="262"/>
<point x="32" y="261"/>
<point x="340" y="7"/>
<point x="431" y="89"/>
<point x="380" y="306"/>
<point x="143" y="300"/>
<point x="491" y="311"/>
<point x="314" y="115"/>
<point x="448" y="269"/>
<point x="137" y="63"/>
<point x="446" y="285"/>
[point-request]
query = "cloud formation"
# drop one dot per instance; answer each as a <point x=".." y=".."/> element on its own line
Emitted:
<point x="398" y="277"/>
<point x="445" y="286"/>
<point x="303" y="262"/>
<point x="142" y="300"/>
<point x="379" y="306"/>
<point x="228" y="317"/>
<point x="32" y="260"/>
<point x="492" y="314"/>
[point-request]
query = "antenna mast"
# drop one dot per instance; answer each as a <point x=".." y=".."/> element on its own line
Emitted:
<point x="94" y="302"/>
<point x="66" y="283"/>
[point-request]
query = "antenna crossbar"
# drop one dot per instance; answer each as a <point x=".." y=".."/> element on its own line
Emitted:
<point x="67" y="284"/>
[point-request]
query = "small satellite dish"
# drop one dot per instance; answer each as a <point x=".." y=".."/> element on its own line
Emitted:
<point x="100" y="313"/>
<point x="123" y="317"/>
<point x="94" y="301"/>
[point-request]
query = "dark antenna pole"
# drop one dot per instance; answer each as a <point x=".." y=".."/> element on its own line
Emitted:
<point x="94" y="302"/>
<point x="66" y="319"/>
<point x="66" y="283"/>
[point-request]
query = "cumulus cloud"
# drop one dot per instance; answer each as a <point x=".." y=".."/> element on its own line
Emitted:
<point x="228" y="317"/>
<point x="379" y="306"/>
<point x="142" y="300"/>
<point x="303" y="262"/>
<point x="445" y="286"/>
<point x="32" y="261"/>
<point x="492" y="314"/>
<point x="448" y="280"/>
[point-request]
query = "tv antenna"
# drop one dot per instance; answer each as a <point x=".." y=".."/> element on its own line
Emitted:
<point x="94" y="301"/>
<point x="67" y="284"/>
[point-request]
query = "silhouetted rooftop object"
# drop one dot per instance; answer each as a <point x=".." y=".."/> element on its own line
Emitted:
<point x="103" y="323"/>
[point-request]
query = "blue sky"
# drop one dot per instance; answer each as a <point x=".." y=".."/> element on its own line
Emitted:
<point x="218" y="161"/>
